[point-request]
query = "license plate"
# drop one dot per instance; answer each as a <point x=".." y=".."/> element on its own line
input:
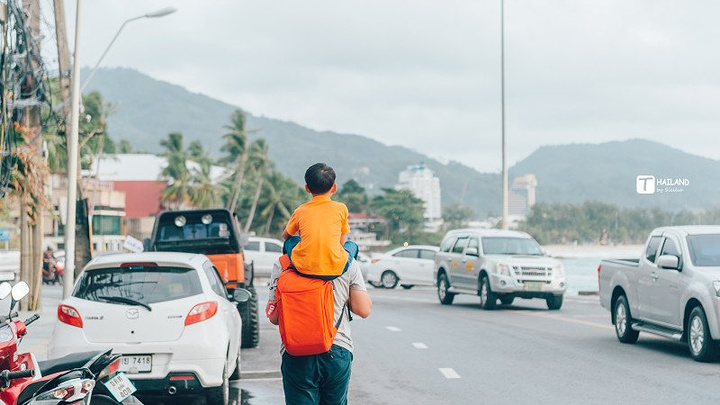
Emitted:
<point x="534" y="286"/>
<point x="120" y="387"/>
<point x="133" y="364"/>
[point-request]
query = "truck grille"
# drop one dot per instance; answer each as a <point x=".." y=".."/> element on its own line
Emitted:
<point x="522" y="271"/>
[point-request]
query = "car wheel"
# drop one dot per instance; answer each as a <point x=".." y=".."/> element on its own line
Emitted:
<point x="389" y="279"/>
<point x="507" y="300"/>
<point x="219" y="395"/>
<point x="554" y="302"/>
<point x="488" y="299"/>
<point x="445" y="296"/>
<point x="250" y="320"/>
<point x="407" y="286"/>
<point x="623" y="321"/>
<point x="236" y="374"/>
<point x="702" y="346"/>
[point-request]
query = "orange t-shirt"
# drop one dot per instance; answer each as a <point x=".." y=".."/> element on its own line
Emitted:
<point x="320" y="223"/>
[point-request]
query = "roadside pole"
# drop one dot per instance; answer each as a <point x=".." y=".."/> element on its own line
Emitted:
<point x="505" y="210"/>
<point x="69" y="277"/>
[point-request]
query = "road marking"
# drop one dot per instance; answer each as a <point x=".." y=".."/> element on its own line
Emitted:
<point x="449" y="373"/>
<point x="570" y="320"/>
<point x="393" y="328"/>
<point x="420" y="345"/>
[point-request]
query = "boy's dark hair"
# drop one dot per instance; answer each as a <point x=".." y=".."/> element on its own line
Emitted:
<point x="319" y="178"/>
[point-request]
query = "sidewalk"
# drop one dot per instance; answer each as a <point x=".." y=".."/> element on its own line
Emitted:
<point x="38" y="334"/>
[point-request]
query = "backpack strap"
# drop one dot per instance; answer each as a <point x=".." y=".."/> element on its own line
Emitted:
<point x="342" y="313"/>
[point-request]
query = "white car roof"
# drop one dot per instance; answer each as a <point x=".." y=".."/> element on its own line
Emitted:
<point x="689" y="229"/>
<point x="490" y="232"/>
<point x="161" y="258"/>
<point x="428" y="247"/>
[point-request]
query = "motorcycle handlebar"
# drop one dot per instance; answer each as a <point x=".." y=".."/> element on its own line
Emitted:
<point x="12" y="375"/>
<point x="32" y="319"/>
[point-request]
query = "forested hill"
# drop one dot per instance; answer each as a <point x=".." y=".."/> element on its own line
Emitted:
<point x="148" y="109"/>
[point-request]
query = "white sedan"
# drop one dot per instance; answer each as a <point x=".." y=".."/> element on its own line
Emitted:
<point x="167" y="314"/>
<point x="407" y="266"/>
<point x="262" y="253"/>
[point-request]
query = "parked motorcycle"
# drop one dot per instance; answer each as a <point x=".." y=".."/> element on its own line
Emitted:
<point x="74" y="379"/>
<point x="53" y="272"/>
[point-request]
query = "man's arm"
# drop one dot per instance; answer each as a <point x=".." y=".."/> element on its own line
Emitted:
<point x="360" y="303"/>
<point x="286" y="235"/>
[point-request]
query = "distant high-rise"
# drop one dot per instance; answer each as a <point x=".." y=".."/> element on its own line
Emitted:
<point x="425" y="186"/>
<point x="522" y="195"/>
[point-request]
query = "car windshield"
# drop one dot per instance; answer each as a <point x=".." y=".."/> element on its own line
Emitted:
<point x="145" y="285"/>
<point x="511" y="246"/>
<point x="704" y="249"/>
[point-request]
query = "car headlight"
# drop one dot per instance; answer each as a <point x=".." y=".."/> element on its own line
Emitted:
<point x="559" y="270"/>
<point x="503" y="269"/>
<point x="716" y="284"/>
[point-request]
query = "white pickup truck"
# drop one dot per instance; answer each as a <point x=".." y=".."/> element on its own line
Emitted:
<point x="673" y="290"/>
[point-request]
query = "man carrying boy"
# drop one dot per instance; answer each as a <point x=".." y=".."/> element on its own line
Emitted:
<point x="320" y="251"/>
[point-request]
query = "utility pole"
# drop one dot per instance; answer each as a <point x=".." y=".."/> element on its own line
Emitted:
<point x="33" y="124"/>
<point x="505" y="210"/>
<point x="69" y="277"/>
<point x="83" y="250"/>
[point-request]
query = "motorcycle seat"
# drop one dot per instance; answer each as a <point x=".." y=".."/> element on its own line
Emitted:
<point x="65" y="363"/>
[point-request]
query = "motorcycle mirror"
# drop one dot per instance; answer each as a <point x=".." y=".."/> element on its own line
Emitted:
<point x="5" y="289"/>
<point x="20" y="291"/>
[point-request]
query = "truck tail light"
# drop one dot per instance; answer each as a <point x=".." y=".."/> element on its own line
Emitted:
<point x="69" y="315"/>
<point x="201" y="312"/>
<point x="599" y="268"/>
<point x="374" y="260"/>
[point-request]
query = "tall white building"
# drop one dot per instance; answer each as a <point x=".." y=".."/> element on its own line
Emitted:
<point x="425" y="186"/>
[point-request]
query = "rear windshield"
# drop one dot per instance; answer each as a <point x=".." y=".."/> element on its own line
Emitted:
<point x="146" y="285"/>
<point x="511" y="246"/>
<point x="704" y="249"/>
<point x="206" y="232"/>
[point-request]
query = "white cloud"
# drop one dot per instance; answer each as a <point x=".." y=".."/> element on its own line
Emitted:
<point x="425" y="74"/>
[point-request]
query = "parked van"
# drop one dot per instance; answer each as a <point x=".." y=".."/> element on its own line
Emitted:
<point x="497" y="265"/>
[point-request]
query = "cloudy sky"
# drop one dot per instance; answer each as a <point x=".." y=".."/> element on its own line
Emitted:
<point x="426" y="74"/>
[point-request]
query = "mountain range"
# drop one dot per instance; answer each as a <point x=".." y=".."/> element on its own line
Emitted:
<point x="147" y="109"/>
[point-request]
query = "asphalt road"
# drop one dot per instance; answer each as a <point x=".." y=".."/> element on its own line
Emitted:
<point x="412" y="350"/>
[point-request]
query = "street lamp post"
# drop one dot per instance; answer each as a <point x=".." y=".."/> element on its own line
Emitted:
<point x="69" y="276"/>
<point x="156" y="14"/>
<point x="73" y="146"/>
<point x="505" y="209"/>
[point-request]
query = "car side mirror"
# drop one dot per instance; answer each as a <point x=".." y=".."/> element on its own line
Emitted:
<point x="668" y="262"/>
<point x="241" y="295"/>
<point x="472" y="252"/>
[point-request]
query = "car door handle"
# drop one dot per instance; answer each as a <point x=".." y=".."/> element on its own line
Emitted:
<point x="464" y="259"/>
<point x="654" y="276"/>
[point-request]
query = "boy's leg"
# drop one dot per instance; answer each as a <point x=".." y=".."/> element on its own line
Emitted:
<point x="300" y="379"/>
<point x="335" y="369"/>
<point x="353" y="250"/>
<point x="290" y="244"/>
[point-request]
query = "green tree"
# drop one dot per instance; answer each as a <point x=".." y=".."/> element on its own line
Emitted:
<point x="177" y="192"/>
<point x="281" y="196"/>
<point x="354" y="196"/>
<point x="203" y="192"/>
<point x="236" y="154"/>
<point x="125" y="147"/>
<point x="402" y="210"/>
<point x="457" y="216"/>
<point x="261" y="166"/>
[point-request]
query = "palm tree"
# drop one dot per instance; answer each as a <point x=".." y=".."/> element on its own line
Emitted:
<point x="177" y="192"/>
<point x="280" y="197"/>
<point x="261" y="164"/>
<point x="203" y="193"/>
<point x="236" y="147"/>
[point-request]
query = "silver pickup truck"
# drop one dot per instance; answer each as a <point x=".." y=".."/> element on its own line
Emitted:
<point x="497" y="265"/>
<point x="673" y="290"/>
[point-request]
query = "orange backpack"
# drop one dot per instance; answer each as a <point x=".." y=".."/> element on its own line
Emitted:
<point x="306" y="312"/>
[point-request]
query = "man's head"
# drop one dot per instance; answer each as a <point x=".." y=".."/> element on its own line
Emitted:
<point x="320" y="179"/>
